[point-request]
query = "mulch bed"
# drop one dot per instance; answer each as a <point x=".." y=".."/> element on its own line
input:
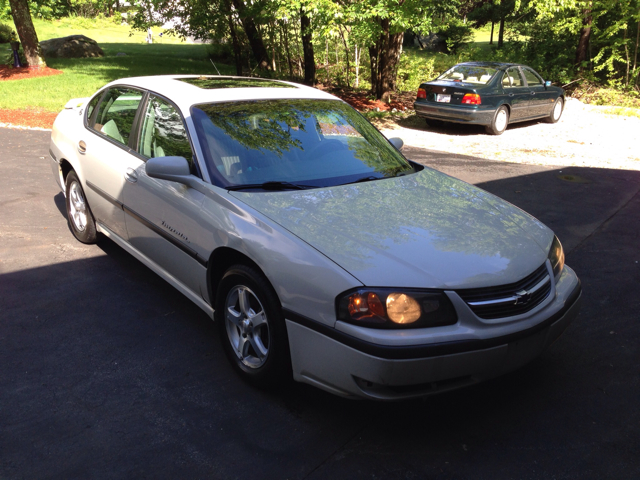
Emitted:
<point x="28" y="118"/>
<point x="12" y="73"/>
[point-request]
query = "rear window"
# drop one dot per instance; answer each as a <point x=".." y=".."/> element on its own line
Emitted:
<point x="311" y="142"/>
<point x="469" y="74"/>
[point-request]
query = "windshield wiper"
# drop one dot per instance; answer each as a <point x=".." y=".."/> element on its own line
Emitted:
<point x="274" y="185"/>
<point x="370" y="178"/>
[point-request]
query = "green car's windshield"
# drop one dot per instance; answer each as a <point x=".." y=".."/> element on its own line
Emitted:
<point x="469" y="74"/>
<point x="284" y="143"/>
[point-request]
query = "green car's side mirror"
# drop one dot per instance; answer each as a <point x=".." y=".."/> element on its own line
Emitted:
<point x="547" y="83"/>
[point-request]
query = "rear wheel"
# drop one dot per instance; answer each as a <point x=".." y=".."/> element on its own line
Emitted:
<point x="500" y="121"/>
<point x="252" y="327"/>
<point x="556" y="112"/>
<point x="79" y="214"/>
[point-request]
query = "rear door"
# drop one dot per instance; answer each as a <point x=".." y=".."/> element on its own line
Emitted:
<point x="542" y="99"/>
<point x="105" y="147"/>
<point x="517" y="93"/>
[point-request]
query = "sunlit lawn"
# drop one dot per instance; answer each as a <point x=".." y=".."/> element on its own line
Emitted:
<point x="83" y="76"/>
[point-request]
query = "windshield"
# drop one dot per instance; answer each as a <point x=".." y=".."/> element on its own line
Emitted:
<point x="469" y="74"/>
<point x="306" y="143"/>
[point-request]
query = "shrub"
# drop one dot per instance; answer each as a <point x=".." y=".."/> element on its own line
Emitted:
<point x="6" y="33"/>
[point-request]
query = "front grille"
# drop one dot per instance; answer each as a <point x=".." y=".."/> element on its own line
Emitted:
<point x="509" y="300"/>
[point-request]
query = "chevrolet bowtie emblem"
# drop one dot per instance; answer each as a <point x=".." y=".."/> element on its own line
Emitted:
<point x="522" y="297"/>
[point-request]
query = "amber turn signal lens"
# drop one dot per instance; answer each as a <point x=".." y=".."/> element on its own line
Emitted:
<point x="422" y="93"/>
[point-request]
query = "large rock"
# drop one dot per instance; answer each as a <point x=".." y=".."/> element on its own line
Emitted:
<point x="73" y="46"/>
<point x="433" y="42"/>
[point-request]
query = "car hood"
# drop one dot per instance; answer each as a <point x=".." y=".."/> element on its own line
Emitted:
<point x="425" y="230"/>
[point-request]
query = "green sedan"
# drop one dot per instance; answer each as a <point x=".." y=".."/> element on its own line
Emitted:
<point x="491" y="94"/>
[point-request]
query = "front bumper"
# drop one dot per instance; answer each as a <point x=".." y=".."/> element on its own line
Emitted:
<point x="365" y="370"/>
<point x="454" y="113"/>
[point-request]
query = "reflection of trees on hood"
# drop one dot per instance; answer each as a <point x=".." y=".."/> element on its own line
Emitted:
<point x="429" y="208"/>
<point x="279" y="126"/>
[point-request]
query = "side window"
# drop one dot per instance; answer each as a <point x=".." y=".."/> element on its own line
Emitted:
<point x="92" y="105"/>
<point x="513" y="76"/>
<point x="116" y="113"/>
<point x="532" y="78"/>
<point x="163" y="133"/>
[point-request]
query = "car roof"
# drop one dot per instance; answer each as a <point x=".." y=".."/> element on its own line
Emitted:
<point x="497" y="65"/>
<point x="187" y="90"/>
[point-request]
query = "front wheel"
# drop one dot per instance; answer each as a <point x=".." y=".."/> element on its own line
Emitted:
<point x="499" y="123"/>
<point x="556" y="112"/>
<point x="79" y="214"/>
<point x="252" y="328"/>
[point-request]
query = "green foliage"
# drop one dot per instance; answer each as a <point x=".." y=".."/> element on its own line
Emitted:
<point x="6" y="33"/>
<point x="457" y="34"/>
<point x="414" y="68"/>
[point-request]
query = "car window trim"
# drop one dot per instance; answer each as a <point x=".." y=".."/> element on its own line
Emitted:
<point x="135" y="147"/>
<point x="89" y="120"/>
<point x="124" y="147"/>
<point x="535" y="74"/>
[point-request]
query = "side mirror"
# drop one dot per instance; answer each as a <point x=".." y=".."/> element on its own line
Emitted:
<point x="396" y="142"/>
<point x="174" y="169"/>
<point x="547" y="83"/>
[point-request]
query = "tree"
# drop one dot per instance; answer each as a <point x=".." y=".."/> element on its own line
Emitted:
<point x="27" y="32"/>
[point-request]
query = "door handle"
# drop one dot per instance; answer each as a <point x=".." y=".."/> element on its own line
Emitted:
<point x="82" y="147"/>
<point x="511" y="94"/>
<point x="533" y="93"/>
<point x="130" y="175"/>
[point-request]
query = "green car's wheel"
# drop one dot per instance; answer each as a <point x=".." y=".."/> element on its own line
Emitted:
<point x="556" y="112"/>
<point x="500" y="121"/>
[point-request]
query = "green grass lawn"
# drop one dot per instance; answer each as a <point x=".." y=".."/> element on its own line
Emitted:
<point x="83" y="76"/>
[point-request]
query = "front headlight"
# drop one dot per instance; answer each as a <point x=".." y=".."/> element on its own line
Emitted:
<point x="556" y="257"/>
<point x="395" y="308"/>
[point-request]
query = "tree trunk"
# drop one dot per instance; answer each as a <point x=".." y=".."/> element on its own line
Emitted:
<point x="491" y="38"/>
<point x="585" y="35"/>
<point x="501" y="32"/>
<point x="635" y="55"/>
<point x="307" y="47"/>
<point x="27" y="33"/>
<point x="373" y="61"/>
<point x="387" y="54"/>
<point x="357" y="61"/>
<point x="285" y="35"/>
<point x="346" y="52"/>
<point x="237" y="49"/>
<point x="253" y="35"/>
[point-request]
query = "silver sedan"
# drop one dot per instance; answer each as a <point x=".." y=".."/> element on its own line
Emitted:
<point x="322" y="253"/>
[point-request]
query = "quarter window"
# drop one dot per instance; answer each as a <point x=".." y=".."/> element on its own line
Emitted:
<point x="163" y="133"/>
<point x="92" y="105"/>
<point x="117" y="112"/>
<point x="532" y="78"/>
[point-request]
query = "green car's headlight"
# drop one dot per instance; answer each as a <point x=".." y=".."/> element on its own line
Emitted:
<point x="395" y="308"/>
<point x="556" y="257"/>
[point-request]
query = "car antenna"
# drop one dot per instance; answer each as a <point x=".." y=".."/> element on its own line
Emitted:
<point x="214" y="66"/>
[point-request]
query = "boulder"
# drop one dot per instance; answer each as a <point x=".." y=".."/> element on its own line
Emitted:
<point x="433" y="42"/>
<point x="73" y="46"/>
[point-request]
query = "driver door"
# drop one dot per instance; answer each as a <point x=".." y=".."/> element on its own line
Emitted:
<point x="162" y="217"/>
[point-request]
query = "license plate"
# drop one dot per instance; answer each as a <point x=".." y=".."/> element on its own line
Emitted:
<point x="441" y="97"/>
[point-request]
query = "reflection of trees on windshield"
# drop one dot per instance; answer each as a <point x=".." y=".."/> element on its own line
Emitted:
<point x="426" y="210"/>
<point x="282" y="126"/>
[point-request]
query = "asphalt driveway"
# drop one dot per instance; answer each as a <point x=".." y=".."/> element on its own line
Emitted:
<point x="108" y="372"/>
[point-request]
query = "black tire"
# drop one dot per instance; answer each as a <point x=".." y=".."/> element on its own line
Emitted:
<point x="499" y="122"/>
<point x="81" y="221"/>
<point x="556" y="111"/>
<point x="245" y="343"/>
